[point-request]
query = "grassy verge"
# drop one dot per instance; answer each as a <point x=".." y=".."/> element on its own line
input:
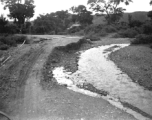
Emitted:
<point x="136" y="61"/>
<point x="7" y="41"/>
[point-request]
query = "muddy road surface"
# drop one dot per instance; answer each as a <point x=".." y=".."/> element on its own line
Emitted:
<point x="59" y="103"/>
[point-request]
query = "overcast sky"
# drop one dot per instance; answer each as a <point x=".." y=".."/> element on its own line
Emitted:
<point x="48" y="6"/>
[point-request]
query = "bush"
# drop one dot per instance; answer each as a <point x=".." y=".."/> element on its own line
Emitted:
<point x="102" y="33"/>
<point x="142" y="39"/>
<point x="4" y="47"/>
<point x="121" y="26"/>
<point x="19" y="39"/>
<point x="3" y="23"/>
<point x="147" y="28"/>
<point x="135" y="23"/>
<point x="117" y="35"/>
<point x="81" y="33"/>
<point x="138" y="29"/>
<point x="129" y="33"/>
<point x="92" y="36"/>
<point x="94" y="32"/>
<point x="8" y="40"/>
<point x="93" y="28"/>
<point x="74" y="29"/>
<point x="109" y="29"/>
<point x="12" y="28"/>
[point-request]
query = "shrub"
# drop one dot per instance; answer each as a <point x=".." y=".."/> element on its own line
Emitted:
<point x="81" y="33"/>
<point x="4" y="47"/>
<point x="147" y="28"/>
<point x="3" y="23"/>
<point x="142" y="39"/>
<point x="121" y="26"/>
<point x="109" y="29"/>
<point x="94" y="32"/>
<point x="74" y="29"/>
<point x="135" y="23"/>
<point x="92" y="36"/>
<point x="102" y="33"/>
<point x="12" y="28"/>
<point x="8" y="40"/>
<point x="138" y="29"/>
<point x="19" y="39"/>
<point x="117" y="35"/>
<point x="93" y="28"/>
<point x="129" y="33"/>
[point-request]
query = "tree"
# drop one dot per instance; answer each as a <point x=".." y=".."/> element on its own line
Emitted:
<point x="18" y="11"/>
<point x="81" y="15"/>
<point x="110" y="8"/>
<point x="53" y="22"/>
<point x="63" y="18"/>
<point x="3" y="23"/>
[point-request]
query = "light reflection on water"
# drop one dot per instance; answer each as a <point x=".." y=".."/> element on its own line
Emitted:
<point x="94" y="67"/>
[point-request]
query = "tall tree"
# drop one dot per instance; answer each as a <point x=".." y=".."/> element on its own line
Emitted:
<point x="20" y="11"/>
<point x="110" y="8"/>
<point x="81" y="15"/>
<point x="3" y="23"/>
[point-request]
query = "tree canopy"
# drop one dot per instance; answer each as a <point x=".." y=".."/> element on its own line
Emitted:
<point x="19" y="11"/>
<point x="81" y="15"/>
<point x="53" y="22"/>
<point x="109" y="7"/>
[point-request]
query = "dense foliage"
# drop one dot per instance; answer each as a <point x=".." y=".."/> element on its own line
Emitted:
<point x="18" y="11"/>
<point x="81" y="15"/>
<point x="52" y="23"/>
<point x="3" y="23"/>
<point x="7" y="41"/>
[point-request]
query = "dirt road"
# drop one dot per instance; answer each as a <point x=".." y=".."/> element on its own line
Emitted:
<point x="59" y="103"/>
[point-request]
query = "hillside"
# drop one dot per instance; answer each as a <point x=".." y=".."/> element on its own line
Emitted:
<point x="139" y="15"/>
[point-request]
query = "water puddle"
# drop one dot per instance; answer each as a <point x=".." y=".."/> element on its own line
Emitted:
<point x="94" y="67"/>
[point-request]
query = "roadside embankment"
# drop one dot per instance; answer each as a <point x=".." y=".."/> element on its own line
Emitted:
<point x="136" y="61"/>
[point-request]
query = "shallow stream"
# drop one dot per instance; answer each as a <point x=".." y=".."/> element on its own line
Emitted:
<point x="95" y="67"/>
